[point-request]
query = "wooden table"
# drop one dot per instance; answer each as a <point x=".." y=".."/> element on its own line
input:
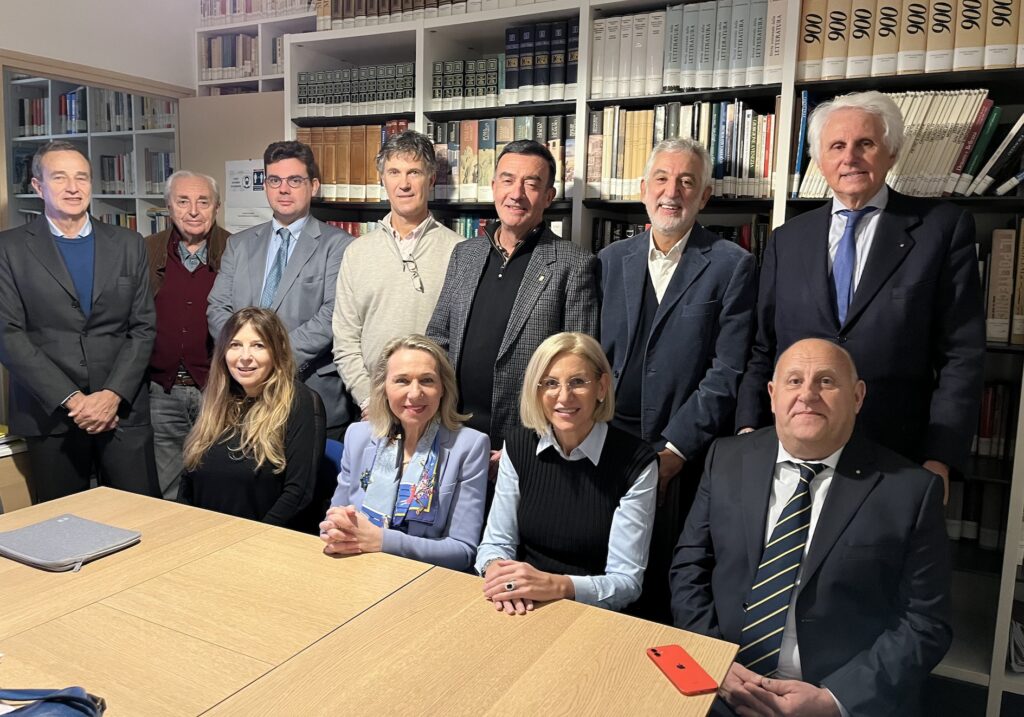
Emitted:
<point x="216" y="615"/>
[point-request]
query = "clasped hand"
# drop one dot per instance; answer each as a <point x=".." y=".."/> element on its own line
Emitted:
<point x="751" y="695"/>
<point x="530" y="585"/>
<point x="94" y="412"/>
<point x="348" y="532"/>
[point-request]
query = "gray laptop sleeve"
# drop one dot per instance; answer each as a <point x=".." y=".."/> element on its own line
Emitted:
<point x="64" y="542"/>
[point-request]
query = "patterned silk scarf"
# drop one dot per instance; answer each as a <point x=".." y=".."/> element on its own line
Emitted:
<point x="392" y="497"/>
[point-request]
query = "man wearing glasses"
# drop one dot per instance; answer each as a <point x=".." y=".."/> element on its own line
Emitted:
<point x="183" y="262"/>
<point x="290" y="265"/>
<point x="390" y="279"/>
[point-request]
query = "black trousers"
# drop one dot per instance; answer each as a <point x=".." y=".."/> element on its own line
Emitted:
<point x="63" y="463"/>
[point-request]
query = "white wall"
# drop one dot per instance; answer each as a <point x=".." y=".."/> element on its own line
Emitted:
<point x="152" y="39"/>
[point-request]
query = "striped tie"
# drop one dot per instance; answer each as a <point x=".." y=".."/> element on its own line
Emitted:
<point x="276" y="270"/>
<point x="776" y="578"/>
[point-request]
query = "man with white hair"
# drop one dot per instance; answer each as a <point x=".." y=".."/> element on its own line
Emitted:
<point x="183" y="263"/>
<point x="892" y="279"/>
<point x="675" y="323"/>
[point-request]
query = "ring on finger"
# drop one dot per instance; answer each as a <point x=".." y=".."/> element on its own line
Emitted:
<point x="510" y="586"/>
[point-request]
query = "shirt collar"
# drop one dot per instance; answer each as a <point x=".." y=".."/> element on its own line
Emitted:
<point x="674" y="253"/>
<point x="295" y="228"/>
<point x="590" y="448"/>
<point x="200" y="253"/>
<point x="878" y="201"/>
<point x="785" y="456"/>
<point x="415" y="234"/>
<point x="85" y="231"/>
<point x="491" y="230"/>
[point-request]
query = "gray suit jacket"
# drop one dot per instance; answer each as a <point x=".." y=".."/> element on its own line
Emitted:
<point x="558" y="293"/>
<point x="49" y="346"/>
<point x="304" y="301"/>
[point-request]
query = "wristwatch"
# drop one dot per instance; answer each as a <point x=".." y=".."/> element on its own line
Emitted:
<point x="483" y="570"/>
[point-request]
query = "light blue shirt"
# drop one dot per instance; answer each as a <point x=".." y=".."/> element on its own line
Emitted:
<point x="295" y="228"/>
<point x="864" y="235"/>
<point x="85" y="231"/>
<point x="628" y="541"/>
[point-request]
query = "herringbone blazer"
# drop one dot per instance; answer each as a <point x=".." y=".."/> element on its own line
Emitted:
<point x="558" y="293"/>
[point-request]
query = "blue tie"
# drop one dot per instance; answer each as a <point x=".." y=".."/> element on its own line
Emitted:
<point x="846" y="261"/>
<point x="769" y="598"/>
<point x="276" y="270"/>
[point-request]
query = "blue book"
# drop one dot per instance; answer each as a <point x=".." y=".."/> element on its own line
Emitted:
<point x="794" y="188"/>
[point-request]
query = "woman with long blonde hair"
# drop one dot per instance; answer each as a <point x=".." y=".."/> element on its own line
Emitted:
<point x="254" y="449"/>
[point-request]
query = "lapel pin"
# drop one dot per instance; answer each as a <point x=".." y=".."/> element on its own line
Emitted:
<point x="540" y="277"/>
<point x="902" y="245"/>
<point x="857" y="471"/>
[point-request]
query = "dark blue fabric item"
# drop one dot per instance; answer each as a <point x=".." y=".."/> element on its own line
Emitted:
<point x="79" y="259"/>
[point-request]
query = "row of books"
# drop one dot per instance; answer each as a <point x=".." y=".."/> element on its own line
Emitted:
<point x="111" y="111"/>
<point x="369" y="89"/>
<point x="21" y="165"/>
<point x="976" y="511"/>
<point x="223" y="12"/>
<point x="116" y="173"/>
<point x="32" y="116"/>
<point x="701" y="45"/>
<point x="467" y="152"/>
<point x="541" y="62"/>
<point x="344" y="14"/>
<point x="347" y="157"/>
<point x="356" y="229"/>
<point x="1003" y="275"/>
<point x="861" y="38"/>
<point x="994" y="436"/>
<point x="158" y="113"/>
<point x="228" y="57"/>
<point x="741" y="143"/>
<point x="157" y="167"/>
<point x="947" y="150"/>
<point x="71" y="112"/>
<point x="467" y="84"/>
<point x="128" y="220"/>
<point x="158" y="219"/>
<point x="277" y="56"/>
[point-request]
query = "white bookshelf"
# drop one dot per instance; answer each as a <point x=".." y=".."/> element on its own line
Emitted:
<point x="982" y="600"/>
<point x="132" y="141"/>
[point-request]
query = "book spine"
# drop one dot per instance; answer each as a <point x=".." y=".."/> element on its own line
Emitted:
<point x="941" y="37"/>
<point x="969" y="42"/>
<point x="672" y="60"/>
<point x="837" y="39"/>
<point x="469" y="159"/>
<point x="569" y="179"/>
<point x="595" y="149"/>
<point x="572" y="61"/>
<point x="624" y="67"/>
<point x="758" y="40"/>
<point x="1017" y="319"/>
<point x="887" y="38"/>
<point x="1001" y="21"/>
<point x="706" y="46"/>
<point x="638" y="56"/>
<point x="910" y="59"/>
<point x="559" y="49"/>
<point x="775" y="33"/>
<point x="812" y="40"/>
<point x="723" y="28"/>
<point x="511" y="94"/>
<point x="862" y="38"/>
<point x="556" y="145"/>
<point x="1001" y="280"/>
<point x="655" y="52"/>
<point x="739" y="43"/>
<point x="542" y="62"/>
<point x="978" y="153"/>
<point x="527" y="34"/>
<point x="968" y="145"/>
<point x="611" y="57"/>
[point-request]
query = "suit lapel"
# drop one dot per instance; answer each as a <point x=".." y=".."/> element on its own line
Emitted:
<point x="107" y="260"/>
<point x="44" y="249"/>
<point x="474" y="259"/>
<point x="757" y="475"/>
<point x="814" y="253"/>
<point x="634" y="272"/>
<point x="890" y="247"/>
<point x="854" y="478"/>
<point x="537" y="276"/>
<point x="305" y="247"/>
<point x="692" y="264"/>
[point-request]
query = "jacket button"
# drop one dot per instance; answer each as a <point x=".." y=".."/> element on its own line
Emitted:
<point x="74" y="305"/>
<point x="82" y="362"/>
<point x="840" y="339"/>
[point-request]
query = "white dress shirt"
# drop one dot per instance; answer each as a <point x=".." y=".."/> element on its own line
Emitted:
<point x="783" y="485"/>
<point x="662" y="264"/>
<point x="864" y="235"/>
<point x="629" y="539"/>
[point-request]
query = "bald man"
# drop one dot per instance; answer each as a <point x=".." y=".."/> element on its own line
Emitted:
<point x="818" y="551"/>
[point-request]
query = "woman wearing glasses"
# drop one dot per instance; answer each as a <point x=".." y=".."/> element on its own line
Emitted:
<point x="574" y="500"/>
<point x="412" y="478"/>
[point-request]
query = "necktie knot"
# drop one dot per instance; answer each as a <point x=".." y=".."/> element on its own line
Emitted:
<point x="853" y="216"/>
<point x="808" y="470"/>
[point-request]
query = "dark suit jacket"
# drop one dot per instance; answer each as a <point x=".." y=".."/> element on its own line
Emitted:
<point x="558" y="293"/>
<point x="51" y="349"/>
<point x="873" y="607"/>
<point x="915" y="328"/>
<point x="698" y="345"/>
<point x="304" y="301"/>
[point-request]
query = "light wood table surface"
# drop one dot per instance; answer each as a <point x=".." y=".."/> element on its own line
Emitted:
<point x="436" y="647"/>
<point x="211" y="614"/>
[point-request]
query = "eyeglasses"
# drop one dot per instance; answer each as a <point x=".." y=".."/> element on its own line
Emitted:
<point x="553" y="387"/>
<point x="294" y="181"/>
<point x="410" y="266"/>
<point x="185" y="204"/>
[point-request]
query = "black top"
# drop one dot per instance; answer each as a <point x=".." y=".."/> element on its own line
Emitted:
<point x="566" y="507"/>
<point x="485" y="328"/>
<point x="630" y="385"/>
<point x="224" y="483"/>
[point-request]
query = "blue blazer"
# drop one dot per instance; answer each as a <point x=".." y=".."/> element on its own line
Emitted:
<point x="452" y="540"/>
<point x="873" y="608"/>
<point x="698" y="345"/>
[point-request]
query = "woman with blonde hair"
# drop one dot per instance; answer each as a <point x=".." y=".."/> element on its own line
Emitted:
<point x="574" y="501"/>
<point x="255" y="448"/>
<point x="412" y="478"/>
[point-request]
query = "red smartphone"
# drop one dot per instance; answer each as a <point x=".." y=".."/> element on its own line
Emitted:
<point x="682" y="670"/>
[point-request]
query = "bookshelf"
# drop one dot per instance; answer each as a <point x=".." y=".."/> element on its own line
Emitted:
<point x="130" y="138"/>
<point x="985" y="580"/>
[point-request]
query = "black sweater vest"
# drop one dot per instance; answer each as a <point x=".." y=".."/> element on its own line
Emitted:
<point x="566" y="507"/>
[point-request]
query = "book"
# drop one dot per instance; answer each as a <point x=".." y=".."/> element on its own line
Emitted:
<point x="967" y="145"/>
<point x="556" y="144"/>
<point x="527" y="34"/>
<point x="812" y="41"/>
<point x="572" y="61"/>
<point x="1007" y="149"/>
<point x="910" y="58"/>
<point x="1000" y="286"/>
<point x="941" y="37"/>
<point x="757" y="33"/>
<point x="655" y="52"/>
<point x="638" y="56"/>
<point x="969" y="41"/>
<point x="624" y="68"/>
<point x="979" y="153"/>
<point x="723" y="50"/>
<point x="862" y="38"/>
<point x="444" y="171"/>
<point x="504" y="132"/>
<point x="611" y="57"/>
<point x="706" y="45"/>
<point x="1001" y="25"/>
<point x="595" y="150"/>
<point x="542" y="62"/>
<point x="801" y="144"/>
<point x="886" y="46"/>
<point x="689" y="47"/>
<point x="837" y="39"/>
<point x="672" y="58"/>
<point x="469" y="160"/>
<point x="1017" y="316"/>
<point x="510" y="96"/>
<point x="775" y="37"/>
<point x="739" y="43"/>
<point x="559" y="56"/>
<point x="453" y="161"/>
<point x="569" y="175"/>
<point x="374" y="140"/>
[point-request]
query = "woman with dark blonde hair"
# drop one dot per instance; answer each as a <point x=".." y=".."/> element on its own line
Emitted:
<point x="412" y="478"/>
<point x="255" y="447"/>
